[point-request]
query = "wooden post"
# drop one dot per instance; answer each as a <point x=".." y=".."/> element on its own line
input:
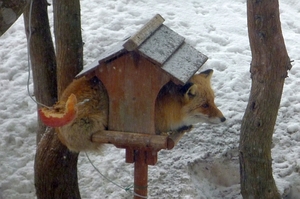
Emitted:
<point x="140" y="174"/>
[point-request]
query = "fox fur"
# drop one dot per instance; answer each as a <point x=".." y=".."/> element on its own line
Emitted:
<point x="92" y="114"/>
<point x="177" y="108"/>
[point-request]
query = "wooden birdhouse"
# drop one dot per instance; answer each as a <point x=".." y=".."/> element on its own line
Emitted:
<point x="133" y="72"/>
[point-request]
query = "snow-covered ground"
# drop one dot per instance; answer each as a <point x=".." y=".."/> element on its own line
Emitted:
<point x="205" y="162"/>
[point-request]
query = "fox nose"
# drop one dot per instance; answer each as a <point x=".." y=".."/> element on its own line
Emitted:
<point x="223" y="119"/>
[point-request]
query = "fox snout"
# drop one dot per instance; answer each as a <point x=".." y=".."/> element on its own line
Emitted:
<point x="219" y="120"/>
<point x="215" y="116"/>
<point x="213" y="120"/>
<point x="223" y="119"/>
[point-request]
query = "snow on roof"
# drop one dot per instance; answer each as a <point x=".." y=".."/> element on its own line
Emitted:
<point x="159" y="44"/>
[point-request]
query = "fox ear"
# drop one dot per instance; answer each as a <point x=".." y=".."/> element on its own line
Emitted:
<point x="189" y="90"/>
<point x="186" y="87"/>
<point x="207" y="74"/>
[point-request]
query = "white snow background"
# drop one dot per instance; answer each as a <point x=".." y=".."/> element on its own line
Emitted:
<point x="205" y="162"/>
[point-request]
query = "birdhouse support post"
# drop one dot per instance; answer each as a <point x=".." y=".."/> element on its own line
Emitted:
<point x="140" y="174"/>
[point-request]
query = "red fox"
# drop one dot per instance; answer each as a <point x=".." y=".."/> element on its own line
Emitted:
<point x="83" y="110"/>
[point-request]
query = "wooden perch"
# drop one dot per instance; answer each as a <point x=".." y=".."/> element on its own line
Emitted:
<point x="137" y="140"/>
<point x="174" y="138"/>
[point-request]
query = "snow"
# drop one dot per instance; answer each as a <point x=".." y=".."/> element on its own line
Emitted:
<point x="205" y="162"/>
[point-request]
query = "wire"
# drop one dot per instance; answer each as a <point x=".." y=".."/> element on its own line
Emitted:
<point x="127" y="189"/>
<point x="106" y="178"/>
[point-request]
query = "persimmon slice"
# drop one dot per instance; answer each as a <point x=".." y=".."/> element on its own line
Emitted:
<point x="60" y="117"/>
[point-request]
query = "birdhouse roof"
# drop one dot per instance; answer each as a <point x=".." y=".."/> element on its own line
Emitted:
<point x="160" y="45"/>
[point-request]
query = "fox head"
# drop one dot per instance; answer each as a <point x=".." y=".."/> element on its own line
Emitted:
<point x="198" y="101"/>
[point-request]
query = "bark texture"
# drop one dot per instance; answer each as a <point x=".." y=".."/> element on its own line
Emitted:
<point x="43" y="63"/>
<point x="55" y="170"/>
<point x="68" y="41"/>
<point x="269" y="66"/>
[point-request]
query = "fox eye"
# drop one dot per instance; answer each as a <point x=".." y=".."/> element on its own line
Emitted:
<point x="206" y="105"/>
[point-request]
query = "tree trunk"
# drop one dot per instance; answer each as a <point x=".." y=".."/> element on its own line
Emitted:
<point x="269" y="66"/>
<point x="55" y="170"/>
<point x="10" y="12"/>
<point x="68" y="41"/>
<point x="42" y="57"/>
<point x="55" y="165"/>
